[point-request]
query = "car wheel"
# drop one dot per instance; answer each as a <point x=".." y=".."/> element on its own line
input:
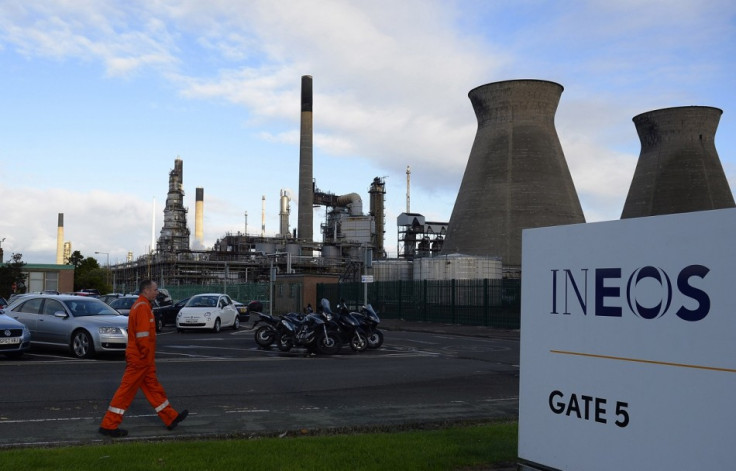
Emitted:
<point x="216" y="328"/>
<point x="82" y="346"/>
<point x="236" y="323"/>
<point x="159" y="324"/>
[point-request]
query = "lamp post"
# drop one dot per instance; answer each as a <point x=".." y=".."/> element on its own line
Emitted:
<point x="107" y="274"/>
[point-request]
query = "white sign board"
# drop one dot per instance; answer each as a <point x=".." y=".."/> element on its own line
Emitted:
<point x="366" y="279"/>
<point x="628" y="344"/>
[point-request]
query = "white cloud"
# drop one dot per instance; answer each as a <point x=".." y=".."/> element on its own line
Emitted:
<point x="390" y="89"/>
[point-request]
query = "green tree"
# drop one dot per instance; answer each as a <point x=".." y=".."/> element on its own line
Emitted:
<point x="88" y="274"/>
<point x="12" y="273"/>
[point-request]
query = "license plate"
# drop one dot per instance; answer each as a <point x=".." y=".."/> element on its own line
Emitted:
<point x="9" y="341"/>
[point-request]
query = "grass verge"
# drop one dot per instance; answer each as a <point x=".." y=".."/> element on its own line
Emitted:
<point x="477" y="446"/>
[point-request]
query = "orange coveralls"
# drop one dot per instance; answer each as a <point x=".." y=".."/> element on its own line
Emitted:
<point x="140" y="369"/>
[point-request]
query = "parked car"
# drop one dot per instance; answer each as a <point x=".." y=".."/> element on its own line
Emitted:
<point x="210" y="311"/>
<point x="243" y="313"/>
<point x="124" y="304"/>
<point x="15" y="338"/>
<point x="84" y="325"/>
<point x="168" y="313"/>
<point x="88" y="292"/>
<point x="108" y="298"/>
<point x="163" y="298"/>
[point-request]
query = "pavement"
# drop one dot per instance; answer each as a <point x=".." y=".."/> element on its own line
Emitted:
<point x="451" y="329"/>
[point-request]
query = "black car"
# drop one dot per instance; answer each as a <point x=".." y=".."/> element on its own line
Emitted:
<point x="167" y="314"/>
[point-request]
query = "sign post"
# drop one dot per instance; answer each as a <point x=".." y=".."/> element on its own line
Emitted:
<point x="628" y="344"/>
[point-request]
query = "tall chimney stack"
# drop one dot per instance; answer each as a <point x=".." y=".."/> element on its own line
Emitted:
<point x="199" y="219"/>
<point x="60" y="240"/>
<point x="306" y="186"/>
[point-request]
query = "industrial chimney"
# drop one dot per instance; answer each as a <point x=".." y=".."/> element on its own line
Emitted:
<point x="516" y="176"/>
<point x="60" y="240"/>
<point x="678" y="169"/>
<point x="306" y="186"/>
<point x="199" y="218"/>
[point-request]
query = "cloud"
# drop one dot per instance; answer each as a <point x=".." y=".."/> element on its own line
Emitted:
<point x="390" y="84"/>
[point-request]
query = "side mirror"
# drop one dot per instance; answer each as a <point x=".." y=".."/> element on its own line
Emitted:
<point x="61" y="314"/>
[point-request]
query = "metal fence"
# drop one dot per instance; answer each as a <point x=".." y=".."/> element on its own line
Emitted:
<point x="493" y="303"/>
<point x="242" y="292"/>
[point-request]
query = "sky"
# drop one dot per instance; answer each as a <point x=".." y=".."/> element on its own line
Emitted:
<point x="98" y="98"/>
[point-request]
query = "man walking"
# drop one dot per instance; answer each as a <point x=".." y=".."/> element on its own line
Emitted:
<point x="140" y="369"/>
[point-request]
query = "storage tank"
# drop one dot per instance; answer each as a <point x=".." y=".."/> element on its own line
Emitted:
<point x="457" y="267"/>
<point x="331" y="251"/>
<point x="392" y="270"/>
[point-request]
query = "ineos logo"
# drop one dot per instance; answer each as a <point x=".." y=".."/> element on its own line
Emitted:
<point x="658" y="290"/>
<point x="658" y="275"/>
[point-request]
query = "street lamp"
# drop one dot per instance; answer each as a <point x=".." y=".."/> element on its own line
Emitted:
<point x="107" y="274"/>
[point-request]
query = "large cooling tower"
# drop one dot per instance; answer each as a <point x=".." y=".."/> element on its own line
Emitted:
<point x="516" y="176"/>
<point x="305" y="224"/>
<point x="678" y="169"/>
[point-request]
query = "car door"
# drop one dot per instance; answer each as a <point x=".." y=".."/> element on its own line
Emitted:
<point x="228" y="310"/>
<point x="54" y="329"/>
<point x="27" y="313"/>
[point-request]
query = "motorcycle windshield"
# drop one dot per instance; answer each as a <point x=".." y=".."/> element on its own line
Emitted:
<point x="325" y="303"/>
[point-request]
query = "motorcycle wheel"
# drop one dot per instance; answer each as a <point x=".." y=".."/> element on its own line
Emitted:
<point x="375" y="340"/>
<point x="285" y="342"/>
<point x="329" y="344"/>
<point x="358" y="342"/>
<point x="265" y="336"/>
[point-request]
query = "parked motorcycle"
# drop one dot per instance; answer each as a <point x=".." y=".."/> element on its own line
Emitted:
<point x="268" y="328"/>
<point x="265" y="329"/>
<point x="348" y="326"/>
<point x="311" y="332"/>
<point x="369" y="322"/>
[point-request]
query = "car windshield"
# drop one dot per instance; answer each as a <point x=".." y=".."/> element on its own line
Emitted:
<point x="89" y="307"/>
<point x="202" y="301"/>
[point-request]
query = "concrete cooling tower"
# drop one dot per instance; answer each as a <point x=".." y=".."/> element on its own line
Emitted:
<point x="678" y="169"/>
<point x="516" y="176"/>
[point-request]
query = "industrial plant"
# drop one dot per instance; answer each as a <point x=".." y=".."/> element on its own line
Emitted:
<point x="516" y="178"/>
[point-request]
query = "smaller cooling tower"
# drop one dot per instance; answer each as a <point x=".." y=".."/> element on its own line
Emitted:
<point x="678" y="169"/>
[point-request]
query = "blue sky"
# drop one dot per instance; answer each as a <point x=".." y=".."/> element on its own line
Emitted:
<point x="97" y="99"/>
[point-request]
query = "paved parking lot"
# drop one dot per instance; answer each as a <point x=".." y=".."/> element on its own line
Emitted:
<point x="234" y="388"/>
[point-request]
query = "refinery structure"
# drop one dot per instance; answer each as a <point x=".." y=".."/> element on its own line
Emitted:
<point x="516" y="178"/>
<point x="352" y="234"/>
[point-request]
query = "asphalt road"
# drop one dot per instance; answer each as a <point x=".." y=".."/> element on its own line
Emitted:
<point x="233" y="388"/>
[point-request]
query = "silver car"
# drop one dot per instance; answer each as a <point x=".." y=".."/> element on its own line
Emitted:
<point x="81" y="324"/>
<point x="14" y="337"/>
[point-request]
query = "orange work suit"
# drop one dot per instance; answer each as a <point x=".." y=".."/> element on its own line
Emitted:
<point x="140" y="369"/>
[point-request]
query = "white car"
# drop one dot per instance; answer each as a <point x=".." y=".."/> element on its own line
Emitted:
<point x="210" y="311"/>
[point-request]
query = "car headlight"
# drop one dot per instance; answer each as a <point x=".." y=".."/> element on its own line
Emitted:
<point x="110" y="331"/>
<point x="207" y="314"/>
